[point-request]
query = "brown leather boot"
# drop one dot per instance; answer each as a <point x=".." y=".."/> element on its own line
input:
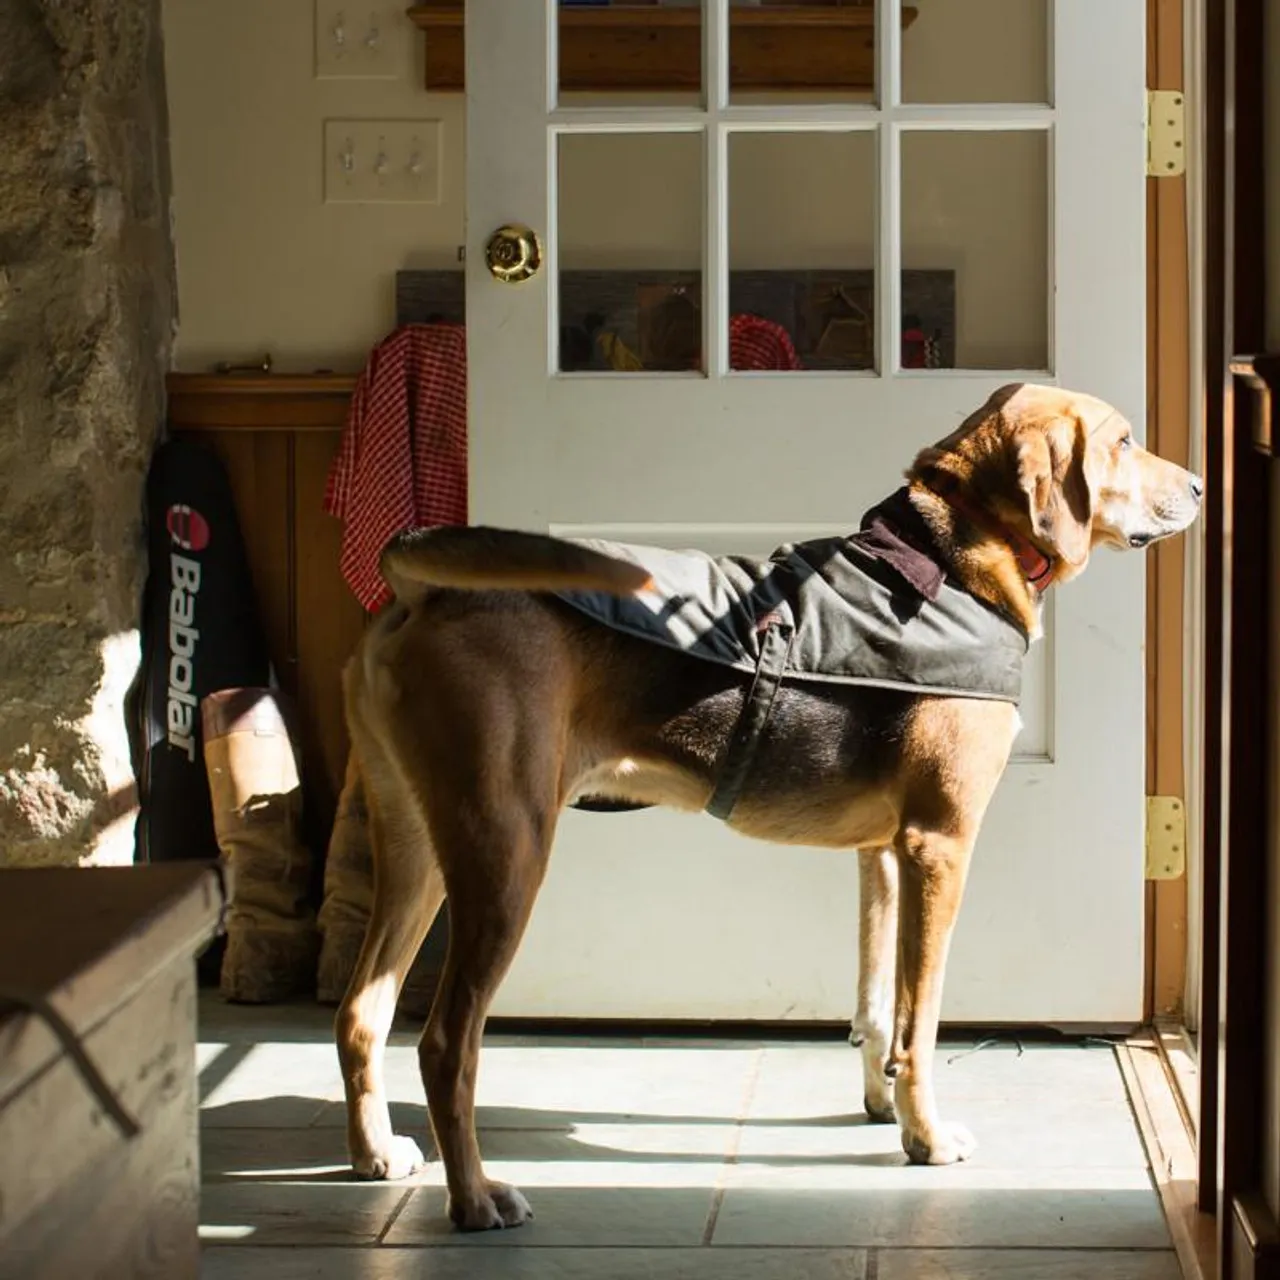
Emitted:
<point x="257" y="805"/>
<point x="348" y="899"/>
<point x="348" y="889"/>
<point x="419" y="990"/>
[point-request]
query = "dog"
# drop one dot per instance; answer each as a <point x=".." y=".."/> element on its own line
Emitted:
<point x="480" y="703"/>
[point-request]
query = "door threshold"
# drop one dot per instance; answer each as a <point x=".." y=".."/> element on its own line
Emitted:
<point x="1181" y="1062"/>
<point x="1169" y="1137"/>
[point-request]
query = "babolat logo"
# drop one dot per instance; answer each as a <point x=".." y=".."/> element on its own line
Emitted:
<point x="189" y="531"/>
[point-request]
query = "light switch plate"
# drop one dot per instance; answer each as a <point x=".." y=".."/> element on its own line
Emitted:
<point x="382" y="161"/>
<point x="358" y="41"/>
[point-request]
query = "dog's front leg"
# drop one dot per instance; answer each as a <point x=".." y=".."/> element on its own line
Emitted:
<point x="877" y="966"/>
<point x="932" y="870"/>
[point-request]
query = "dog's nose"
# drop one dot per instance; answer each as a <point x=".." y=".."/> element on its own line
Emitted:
<point x="1196" y="485"/>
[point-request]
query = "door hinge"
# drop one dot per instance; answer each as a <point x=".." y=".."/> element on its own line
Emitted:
<point x="1166" y="133"/>
<point x="1166" y="838"/>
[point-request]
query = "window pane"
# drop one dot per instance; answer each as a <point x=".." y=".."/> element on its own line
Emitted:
<point x="802" y="217"/>
<point x="630" y="252"/>
<point x="975" y="208"/>
<point x="976" y="51"/>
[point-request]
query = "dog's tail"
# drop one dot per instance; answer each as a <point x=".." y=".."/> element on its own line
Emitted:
<point x="476" y="558"/>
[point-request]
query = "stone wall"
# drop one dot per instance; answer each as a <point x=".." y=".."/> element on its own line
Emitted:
<point x="87" y="308"/>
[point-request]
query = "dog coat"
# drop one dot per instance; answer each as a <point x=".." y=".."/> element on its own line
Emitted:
<point x="875" y="608"/>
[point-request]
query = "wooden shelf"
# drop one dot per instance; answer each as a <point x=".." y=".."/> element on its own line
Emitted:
<point x="792" y="47"/>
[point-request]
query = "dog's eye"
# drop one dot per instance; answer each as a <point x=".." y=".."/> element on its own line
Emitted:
<point x="1126" y="442"/>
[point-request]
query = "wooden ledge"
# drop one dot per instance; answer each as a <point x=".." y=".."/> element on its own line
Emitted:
<point x="259" y="401"/>
<point x="796" y="47"/>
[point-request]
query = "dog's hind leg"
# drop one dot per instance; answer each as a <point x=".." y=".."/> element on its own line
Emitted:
<point x="877" y="968"/>
<point x="408" y="888"/>
<point x="494" y="868"/>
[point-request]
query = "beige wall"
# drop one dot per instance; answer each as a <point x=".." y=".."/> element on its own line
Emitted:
<point x="265" y="264"/>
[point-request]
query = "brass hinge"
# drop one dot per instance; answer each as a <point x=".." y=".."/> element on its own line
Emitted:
<point x="1166" y="133"/>
<point x="1166" y="838"/>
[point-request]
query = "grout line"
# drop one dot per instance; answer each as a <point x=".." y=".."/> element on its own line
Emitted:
<point x="735" y="1143"/>
<point x="459" y="1242"/>
<point x="394" y="1215"/>
<point x="872" y="1269"/>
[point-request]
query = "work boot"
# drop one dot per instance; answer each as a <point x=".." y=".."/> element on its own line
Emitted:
<point x="348" y="899"/>
<point x="348" y="889"/>
<point x="257" y="805"/>
<point x="419" y="990"/>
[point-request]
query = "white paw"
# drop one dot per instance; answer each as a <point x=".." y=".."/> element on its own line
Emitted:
<point x="946" y="1144"/>
<point x="877" y="1096"/>
<point x="499" y="1205"/>
<point x="402" y="1158"/>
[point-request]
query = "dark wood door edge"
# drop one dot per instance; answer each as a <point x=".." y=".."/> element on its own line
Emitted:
<point x="1261" y="374"/>
<point x="1255" y="1239"/>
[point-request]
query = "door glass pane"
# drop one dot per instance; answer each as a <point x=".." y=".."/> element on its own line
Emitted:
<point x="630" y="52"/>
<point x="630" y="260"/>
<point x="975" y="245"/>
<point x="784" y="51"/>
<point x="976" y="51"/>
<point x="802" y="250"/>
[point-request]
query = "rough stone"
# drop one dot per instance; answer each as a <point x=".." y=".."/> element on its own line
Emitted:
<point x="87" y="309"/>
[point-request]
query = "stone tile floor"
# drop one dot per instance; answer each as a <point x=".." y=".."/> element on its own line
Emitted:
<point x="680" y="1157"/>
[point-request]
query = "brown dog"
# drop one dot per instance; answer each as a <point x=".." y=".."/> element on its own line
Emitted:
<point x="480" y="705"/>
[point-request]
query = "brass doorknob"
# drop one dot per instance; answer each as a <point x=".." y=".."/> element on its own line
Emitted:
<point x="513" y="254"/>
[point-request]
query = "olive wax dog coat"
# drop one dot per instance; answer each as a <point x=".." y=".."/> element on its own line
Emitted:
<point x="873" y="608"/>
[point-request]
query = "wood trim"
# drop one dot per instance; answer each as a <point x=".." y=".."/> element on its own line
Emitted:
<point x="1168" y="434"/>
<point x="645" y="47"/>
<point x="1181" y="1065"/>
<point x="259" y="402"/>
<point x="1170" y="1147"/>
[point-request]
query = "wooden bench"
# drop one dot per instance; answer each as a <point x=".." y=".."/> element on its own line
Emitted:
<point x="99" y="1154"/>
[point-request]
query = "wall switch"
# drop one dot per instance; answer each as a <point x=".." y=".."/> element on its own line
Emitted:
<point x="382" y="161"/>
<point x="358" y="41"/>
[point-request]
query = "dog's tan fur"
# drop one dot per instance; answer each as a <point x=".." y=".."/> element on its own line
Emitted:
<point x="479" y="706"/>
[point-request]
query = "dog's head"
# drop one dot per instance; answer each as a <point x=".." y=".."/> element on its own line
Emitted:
<point x="1063" y="471"/>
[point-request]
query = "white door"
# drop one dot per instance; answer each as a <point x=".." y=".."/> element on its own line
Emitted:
<point x="991" y="184"/>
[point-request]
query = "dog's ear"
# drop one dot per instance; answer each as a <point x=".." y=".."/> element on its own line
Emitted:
<point x="1051" y="463"/>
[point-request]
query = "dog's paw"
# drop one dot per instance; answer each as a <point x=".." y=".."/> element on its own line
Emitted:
<point x="499" y="1205"/>
<point x="878" y="1104"/>
<point x="946" y="1144"/>
<point x="877" y="1097"/>
<point x="402" y="1158"/>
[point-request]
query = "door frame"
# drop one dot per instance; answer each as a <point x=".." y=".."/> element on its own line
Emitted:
<point x="1240" y="674"/>
<point x="1168" y="434"/>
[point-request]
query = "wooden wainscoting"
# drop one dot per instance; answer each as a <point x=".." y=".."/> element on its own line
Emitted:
<point x="276" y="435"/>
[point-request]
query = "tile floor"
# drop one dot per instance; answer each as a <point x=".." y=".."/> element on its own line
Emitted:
<point x="680" y="1158"/>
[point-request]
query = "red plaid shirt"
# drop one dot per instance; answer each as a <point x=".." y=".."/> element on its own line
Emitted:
<point x="760" y="344"/>
<point x="403" y="458"/>
<point x="402" y="463"/>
